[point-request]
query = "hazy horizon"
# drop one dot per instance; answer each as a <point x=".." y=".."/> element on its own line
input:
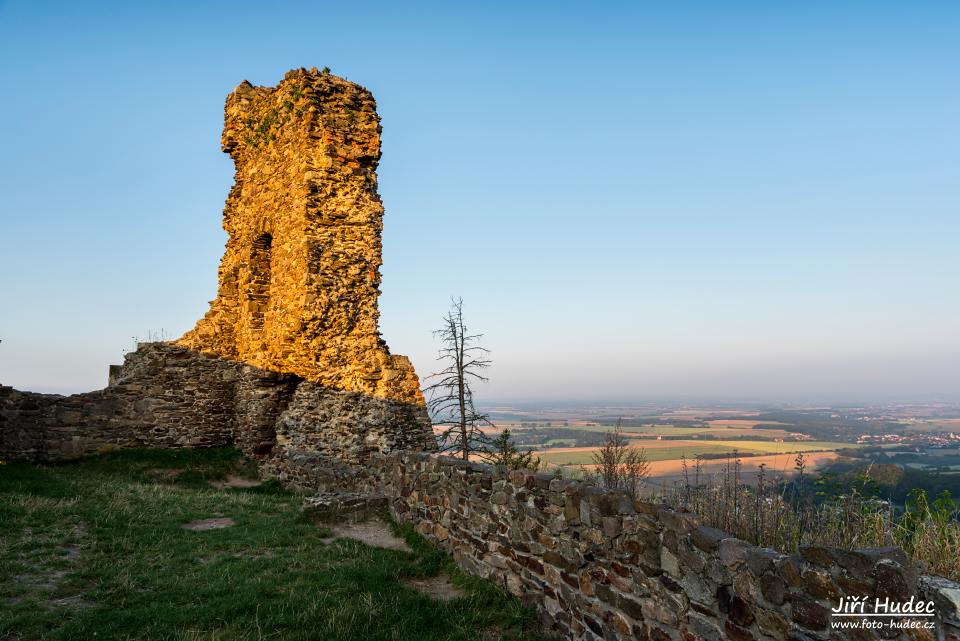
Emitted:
<point x="685" y="201"/>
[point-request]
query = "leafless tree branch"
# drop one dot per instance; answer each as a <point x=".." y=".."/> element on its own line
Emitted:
<point x="450" y="396"/>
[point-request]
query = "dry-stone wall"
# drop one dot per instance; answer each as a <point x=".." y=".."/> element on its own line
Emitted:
<point x="599" y="565"/>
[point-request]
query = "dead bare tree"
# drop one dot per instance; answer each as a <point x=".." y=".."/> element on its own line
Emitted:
<point x="451" y="396"/>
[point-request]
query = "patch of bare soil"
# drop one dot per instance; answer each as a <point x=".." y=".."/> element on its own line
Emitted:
<point x="437" y="587"/>
<point x="48" y="571"/>
<point x="219" y="557"/>
<point x="374" y="533"/>
<point x="202" y="525"/>
<point x="235" y="481"/>
<point x="75" y="602"/>
<point x="163" y="474"/>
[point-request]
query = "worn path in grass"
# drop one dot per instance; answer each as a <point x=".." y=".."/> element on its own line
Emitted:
<point x="96" y="550"/>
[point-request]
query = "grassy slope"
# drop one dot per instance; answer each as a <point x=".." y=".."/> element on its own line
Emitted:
<point x="94" y="550"/>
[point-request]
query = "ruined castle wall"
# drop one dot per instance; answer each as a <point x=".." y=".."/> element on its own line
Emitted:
<point x="163" y="396"/>
<point x="169" y="396"/>
<point x="289" y="353"/>
<point x="599" y="565"/>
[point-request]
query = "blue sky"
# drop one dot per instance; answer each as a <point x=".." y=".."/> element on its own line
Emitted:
<point x="659" y="200"/>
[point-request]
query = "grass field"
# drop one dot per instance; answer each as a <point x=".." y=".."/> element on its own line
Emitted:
<point x="674" y="450"/>
<point x="94" y="550"/>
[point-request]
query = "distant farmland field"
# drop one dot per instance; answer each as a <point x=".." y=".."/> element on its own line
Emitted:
<point x="674" y="450"/>
<point x="936" y="425"/>
<point x="737" y="428"/>
<point x="666" y="473"/>
<point x="741" y="423"/>
<point x="717" y="431"/>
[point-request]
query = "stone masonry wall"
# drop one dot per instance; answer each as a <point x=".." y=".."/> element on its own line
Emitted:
<point x="161" y="397"/>
<point x="166" y="395"/>
<point x="599" y="565"/>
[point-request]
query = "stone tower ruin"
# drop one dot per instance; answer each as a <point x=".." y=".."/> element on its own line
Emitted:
<point x="299" y="280"/>
<point x="288" y="361"/>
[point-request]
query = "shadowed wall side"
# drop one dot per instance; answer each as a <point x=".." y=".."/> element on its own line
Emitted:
<point x="169" y="396"/>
